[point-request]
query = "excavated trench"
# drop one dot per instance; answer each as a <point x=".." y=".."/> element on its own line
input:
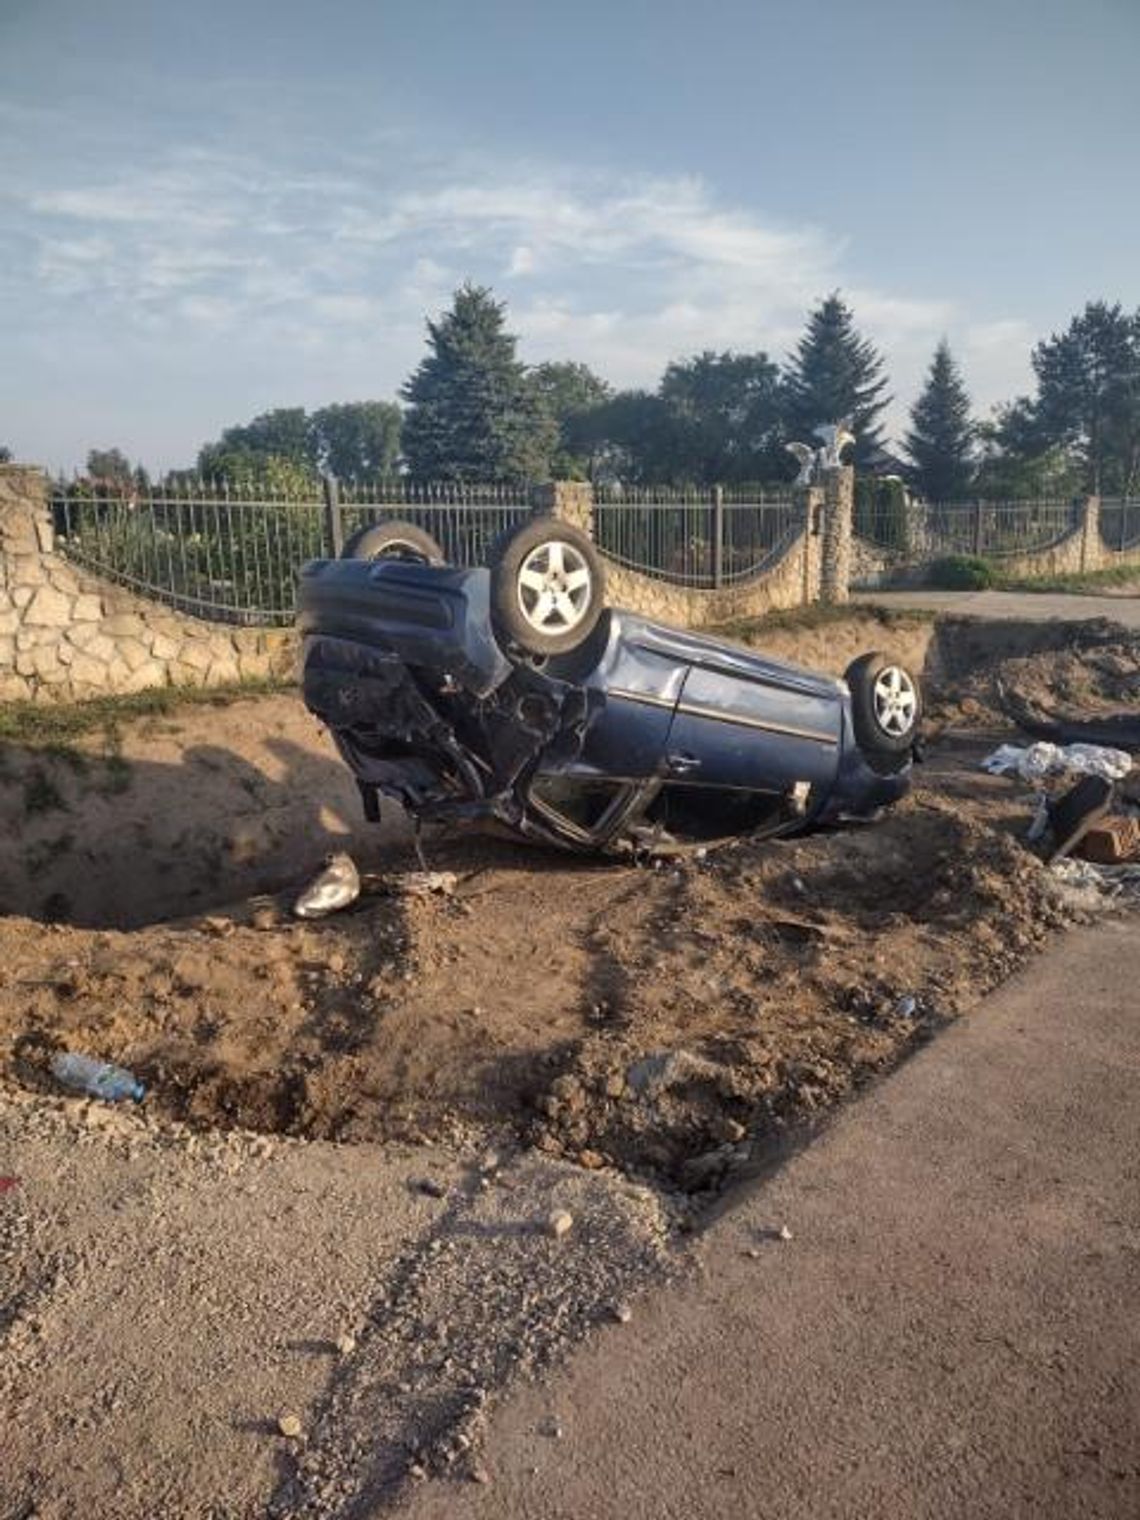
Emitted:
<point x="668" y="1020"/>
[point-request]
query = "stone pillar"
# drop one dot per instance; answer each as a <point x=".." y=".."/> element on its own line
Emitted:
<point x="571" y="500"/>
<point x="811" y="504"/>
<point x="1092" y="547"/>
<point x="838" y="520"/>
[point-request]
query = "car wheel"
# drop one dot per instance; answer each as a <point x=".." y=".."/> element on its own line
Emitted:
<point x="886" y="707"/>
<point x="394" y="540"/>
<point x="547" y="587"/>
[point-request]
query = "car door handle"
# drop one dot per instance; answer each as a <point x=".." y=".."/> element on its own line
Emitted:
<point x="681" y="765"/>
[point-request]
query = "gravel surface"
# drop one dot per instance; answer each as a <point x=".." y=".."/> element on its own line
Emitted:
<point x="175" y="1306"/>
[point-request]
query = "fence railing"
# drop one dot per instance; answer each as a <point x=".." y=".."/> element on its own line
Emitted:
<point x="702" y="538"/>
<point x="921" y="532"/>
<point x="1120" y="522"/>
<point x="233" y="556"/>
<point x="464" y="519"/>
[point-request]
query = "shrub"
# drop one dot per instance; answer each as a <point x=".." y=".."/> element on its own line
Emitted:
<point x="963" y="572"/>
<point x="881" y="513"/>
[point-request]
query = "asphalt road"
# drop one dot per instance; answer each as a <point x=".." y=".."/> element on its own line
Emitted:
<point x="952" y="1330"/>
<point x="1033" y="606"/>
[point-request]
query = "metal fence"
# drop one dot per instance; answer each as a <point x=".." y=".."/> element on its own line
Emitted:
<point x="696" y="537"/>
<point x="464" y="519"/>
<point x="1120" y="522"/>
<point x="233" y="556"/>
<point x="920" y="532"/>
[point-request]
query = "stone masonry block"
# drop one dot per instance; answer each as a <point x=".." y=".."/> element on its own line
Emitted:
<point x="48" y="609"/>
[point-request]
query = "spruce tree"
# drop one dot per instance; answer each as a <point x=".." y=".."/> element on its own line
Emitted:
<point x="835" y="374"/>
<point x="940" y="442"/>
<point x="472" y="412"/>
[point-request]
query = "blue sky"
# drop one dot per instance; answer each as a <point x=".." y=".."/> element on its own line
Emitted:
<point x="210" y="209"/>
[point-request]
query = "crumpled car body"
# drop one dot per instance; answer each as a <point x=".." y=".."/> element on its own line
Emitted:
<point x="643" y="739"/>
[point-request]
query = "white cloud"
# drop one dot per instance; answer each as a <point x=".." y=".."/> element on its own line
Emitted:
<point x="522" y="260"/>
<point x="340" y="268"/>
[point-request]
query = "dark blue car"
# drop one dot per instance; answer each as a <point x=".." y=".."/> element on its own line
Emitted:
<point x="512" y="695"/>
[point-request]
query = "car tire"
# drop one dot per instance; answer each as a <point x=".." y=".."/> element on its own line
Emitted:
<point x="547" y="587"/>
<point x="886" y="709"/>
<point x="394" y="540"/>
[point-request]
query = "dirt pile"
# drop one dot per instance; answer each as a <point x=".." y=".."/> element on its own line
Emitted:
<point x="773" y="981"/>
<point x="631" y="1016"/>
<point x="653" y="1019"/>
<point x="136" y="822"/>
<point x="1088" y="668"/>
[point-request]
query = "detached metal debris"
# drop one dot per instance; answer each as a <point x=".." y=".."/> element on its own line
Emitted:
<point x="334" y="887"/>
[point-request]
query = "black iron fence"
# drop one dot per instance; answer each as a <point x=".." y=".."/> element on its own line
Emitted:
<point x="919" y="533"/>
<point x="465" y="520"/>
<point x="696" y="537"/>
<point x="1120" y="522"/>
<point x="233" y="556"/>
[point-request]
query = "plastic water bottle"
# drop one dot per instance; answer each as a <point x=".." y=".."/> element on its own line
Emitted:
<point x="99" y="1078"/>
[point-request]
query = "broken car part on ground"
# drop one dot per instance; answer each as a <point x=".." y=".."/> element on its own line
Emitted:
<point x="513" y="696"/>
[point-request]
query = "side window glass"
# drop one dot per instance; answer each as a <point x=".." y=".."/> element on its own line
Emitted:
<point x="582" y="801"/>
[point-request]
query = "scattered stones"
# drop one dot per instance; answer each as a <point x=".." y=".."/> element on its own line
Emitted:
<point x="783" y="1233"/>
<point x="345" y="1344"/>
<point x="729" y="1130"/>
<point x="479" y="1474"/>
<point x="290" y="1426"/>
<point x="559" y="1223"/>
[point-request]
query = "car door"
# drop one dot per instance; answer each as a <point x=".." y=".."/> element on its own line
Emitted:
<point x="746" y="722"/>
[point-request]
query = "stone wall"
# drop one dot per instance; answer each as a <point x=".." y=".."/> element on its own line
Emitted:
<point x="66" y="634"/>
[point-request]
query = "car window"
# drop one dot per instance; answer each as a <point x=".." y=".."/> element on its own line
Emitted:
<point x="582" y="801"/>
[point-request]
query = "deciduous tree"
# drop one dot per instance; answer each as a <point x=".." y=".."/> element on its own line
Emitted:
<point x="726" y="411"/>
<point x="356" y="440"/>
<point x="568" y="392"/>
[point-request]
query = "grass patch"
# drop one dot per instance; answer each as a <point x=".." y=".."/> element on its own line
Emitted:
<point x="1090" y="581"/>
<point x="55" y="726"/>
<point x="820" y="615"/>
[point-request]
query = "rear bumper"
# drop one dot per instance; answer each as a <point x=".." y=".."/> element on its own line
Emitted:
<point x="427" y="618"/>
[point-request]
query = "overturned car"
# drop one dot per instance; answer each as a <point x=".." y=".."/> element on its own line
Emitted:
<point x="512" y="695"/>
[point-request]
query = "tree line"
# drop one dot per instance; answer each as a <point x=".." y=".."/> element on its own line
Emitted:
<point x="473" y="412"/>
